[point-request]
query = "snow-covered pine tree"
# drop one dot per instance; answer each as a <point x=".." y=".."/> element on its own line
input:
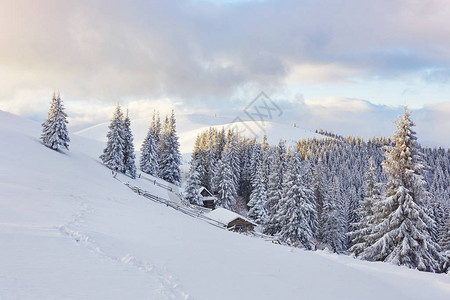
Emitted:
<point x="255" y="160"/>
<point x="401" y="235"/>
<point x="258" y="197"/>
<point x="223" y="179"/>
<point x="439" y="190"/>
<point x="296" y="212"/>
<point x="364" y="212"/>
<point x="333" y="220"/>
<point x="444" y="238"/>
<point x="162" y="145"/>
<point x="54" y="133"/>
<point x="267" y="157"/>
<point x="210" y="162"/>
<point x="149" y="154"/>
<point x="244" y="183"/>
<point x="156" y="127"/>
<point x="193" y="185"/>
<point x="170" y="157"/>
<point x="444" y="242"/>
<point x="113" y="154"/>
<point x="320" y="193"/>
<point x="129" y="165"/>
<point x="218" y="138"/>
<point x="274" y="188"/>
<point x="235" y="163"/>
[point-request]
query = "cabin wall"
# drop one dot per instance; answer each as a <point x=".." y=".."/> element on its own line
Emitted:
<point x="241" y="225"/>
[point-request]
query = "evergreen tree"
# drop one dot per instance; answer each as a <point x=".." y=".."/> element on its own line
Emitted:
<point x="193" y="185"/>
<point x="296" y="215"/>
<point x="244" y="184"/>
<point x="255" y="161"/>
<point x="210" y="162"/>
<point x="128" y="149"/>
<point x="54" y="133"/>
<point x="224" y="182"/>
<point x="170" y="157"/>
<point x="258" y="197"/>
<point x="444" y="238"/>
<point x="232" y="141"/>
<point x="364" y="213"/>
<point x="113" y="154"/>
<point x="320" y="193"/>
<point x="444" y="242"/>
<point x="156" y="127"/>
<point x="401" y="234"/>
<point x="333" y="220"/>
<point x="439" y="190"/>
<point x="274" y="189"/>
<point x="149" y="154"/>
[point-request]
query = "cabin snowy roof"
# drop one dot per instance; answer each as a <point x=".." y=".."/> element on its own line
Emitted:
<point x="204" y="192"/>
<point x="226" y="216"/>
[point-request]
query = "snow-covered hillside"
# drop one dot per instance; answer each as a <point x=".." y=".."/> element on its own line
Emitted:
<point x="69" y="230"/>
<point x="190" y="125"/>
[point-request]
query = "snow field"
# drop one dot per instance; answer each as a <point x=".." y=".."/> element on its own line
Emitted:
<point x="69" y="230"/>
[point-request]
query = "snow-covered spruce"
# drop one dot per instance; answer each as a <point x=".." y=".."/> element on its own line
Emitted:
<point x="128" y="153"/>
<point x="169" y="153"/>
<point x="444" y="238"/>
<point x="193" y="184"/>
<point x="223" y="180"/>
<point x="296" y="212"/>
<point x="148" y="162"/>
<point x="401" y="233"/>
<point x="274" y="188"/>
<point x="235" y="161"/>
<point x="113" y="154"/>
<point x="318" y="184"/>
<point x="364" y="213"/>
<point x="333" y="220"/>
<point x="444" y="242"/>
<point x="156" y="127"/>
<point x="54" y="133"/>
<point x="258" y="197"/>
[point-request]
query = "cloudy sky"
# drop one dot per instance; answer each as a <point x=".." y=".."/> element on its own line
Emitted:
<point x="349" y="65"/>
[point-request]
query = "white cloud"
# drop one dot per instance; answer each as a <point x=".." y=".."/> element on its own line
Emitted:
<point x="318" y="73"/>
<point x="104" y="50"/>
<point x="216" y="57"/>
<point x="336" y="104"/>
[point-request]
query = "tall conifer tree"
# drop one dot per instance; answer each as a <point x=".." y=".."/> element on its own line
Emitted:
<point x="113" y="154"/>
<point x="274" y="188"/>
<point x="224" y="182"/>
<point x="365" y="214"/>
<point x="149" y="154"/>
<point x="170" y="157"/>
<point x="54" y="133"/>
<point x="258" y="197"/>
<point x="193" y="185"/>
<point x="296" y="213"/>
<point x="129" y="165"/>
<point x="401" y="234"/>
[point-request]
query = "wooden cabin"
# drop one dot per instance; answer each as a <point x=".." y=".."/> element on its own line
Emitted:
<point x="231" y="220"/>
<point x="207" y="198"/>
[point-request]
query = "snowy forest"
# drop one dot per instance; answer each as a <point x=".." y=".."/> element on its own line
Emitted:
<point x="160" y="154"/>
<point x="385" y="199"/>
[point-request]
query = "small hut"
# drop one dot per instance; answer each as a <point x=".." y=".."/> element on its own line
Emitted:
<point x="231" y="220"/>
<point x="207" y="198"/>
